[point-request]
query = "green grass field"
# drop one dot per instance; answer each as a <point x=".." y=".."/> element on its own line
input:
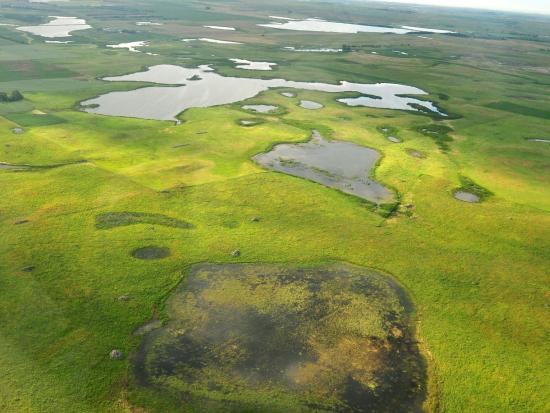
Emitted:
<point x="477" y="274"/>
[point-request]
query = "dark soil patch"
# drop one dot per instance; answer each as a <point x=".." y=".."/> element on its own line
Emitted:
<point x="180" y="145"/>
<point x="273" y="338"/>
<point x="110" y="220"/>
<point x="416" y="153"/>
<point x="26" y="167"/>
<point x="151" y="253"/>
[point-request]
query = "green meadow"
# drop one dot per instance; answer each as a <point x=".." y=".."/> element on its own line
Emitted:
<point x="476" y="273"/>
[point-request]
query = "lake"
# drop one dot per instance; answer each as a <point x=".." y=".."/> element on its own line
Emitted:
<point x="211" y="89"/>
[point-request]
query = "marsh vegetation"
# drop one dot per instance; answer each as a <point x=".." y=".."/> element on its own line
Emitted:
<point x="282" y="338"/>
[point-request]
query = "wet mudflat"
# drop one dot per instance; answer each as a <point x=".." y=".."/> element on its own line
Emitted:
<point x="340" y="165"/>
<point x="273" y="338"/>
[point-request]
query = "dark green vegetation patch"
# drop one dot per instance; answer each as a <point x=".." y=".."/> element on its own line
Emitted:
<point x="110" y="220"/>
<point x="31" y="119"/>
<point x="31" y="69"/>
<point x="520" y="109"/>
<point x="469" y="186"/>
<point x="13" y="96"/>
<point x="273" y="338"/>
<point x="439" y="133"/>
<point x="151" y="253"/>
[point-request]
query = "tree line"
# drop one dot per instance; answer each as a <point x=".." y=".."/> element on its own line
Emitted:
<point x="14" y="96"/>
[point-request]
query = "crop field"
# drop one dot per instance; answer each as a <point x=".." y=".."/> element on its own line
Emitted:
<point x="140" y="235"/>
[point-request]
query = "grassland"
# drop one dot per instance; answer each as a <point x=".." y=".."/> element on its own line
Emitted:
<point x="477" y="273"/>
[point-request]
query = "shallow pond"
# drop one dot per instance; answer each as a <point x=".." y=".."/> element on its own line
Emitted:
<point x="260" y="108"/>
<point x="427" y="30"/>
<point x="340" y="165"/>
<point x="288" y="94"/>
<point x="320" y="25"/>
<point x="131" y="46"/>
<point x="466" y="196"/>
<point x="394" y="139"/>
<point x="539" y="140"/>
<point x="148" y="24"/>
<point x="250" y="65"/>
<point x="416" y="153"/>
<point x="274" y="338"/>
<point x="14" y="167"/>
<point x="211" y="89"/>
<point x="209" y="40"/>
<point x="309" y="104"/>
<point x="245" y="122"/>
<point x="319" y="50"/>
<point x="221" y="28"/>
<point x="58" y="27"/>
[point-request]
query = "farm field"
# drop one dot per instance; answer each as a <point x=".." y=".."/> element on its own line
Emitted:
<point x="180" y="237"/>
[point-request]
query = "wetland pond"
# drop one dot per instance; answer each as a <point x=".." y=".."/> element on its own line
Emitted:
<point x="260" y="108"/>
<point x="286" y="339"/>
<point x="309" y="104"/>
<point x="131" y="46"/>
<point x="209" y="40"/>
<point x="211" y="89"/>
<point x="335" y="164"/>
<point x="466" y="197"/>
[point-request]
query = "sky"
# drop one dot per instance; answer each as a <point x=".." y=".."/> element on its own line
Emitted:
<point x="527" y="6"/>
